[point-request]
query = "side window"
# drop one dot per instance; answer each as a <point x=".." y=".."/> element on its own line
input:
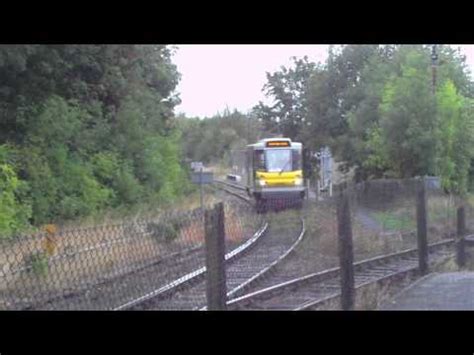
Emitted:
<point x="259" y="160"/>
<point x="297" y="159"/>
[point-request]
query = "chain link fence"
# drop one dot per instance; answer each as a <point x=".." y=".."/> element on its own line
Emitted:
<point x="109" y="266"/>
<point x="468" y="250"/>
<point x="392" y="217"/>
<point x="198" y="259"/>
<point x="384" y="217"/>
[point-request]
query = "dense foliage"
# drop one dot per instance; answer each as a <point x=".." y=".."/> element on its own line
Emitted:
<point x="212" y="140"/>
<point x="376" y="107"/>
<point x="83" y="128"/>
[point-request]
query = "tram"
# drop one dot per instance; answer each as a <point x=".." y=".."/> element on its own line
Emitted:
<point x="274" y="172"/>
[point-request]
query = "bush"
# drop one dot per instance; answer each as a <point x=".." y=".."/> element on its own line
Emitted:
<point x="14" y="214"/>
<point x="128" y="187"/>
<point x="38" y="262"/>
<point x="105" y="166"/>
<point x="93" y="127"/>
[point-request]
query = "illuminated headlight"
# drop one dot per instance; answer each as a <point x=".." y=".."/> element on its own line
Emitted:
<point x="298" y="181"/>
<point x="262" y="182"/>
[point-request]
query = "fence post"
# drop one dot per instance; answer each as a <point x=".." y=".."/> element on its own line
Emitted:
<point x="200" y="190"/>
<point x="346" y="254"/>
<point x="461" y="232"/>
<point x="421" y="228"/>
<point x="216" y="288"/>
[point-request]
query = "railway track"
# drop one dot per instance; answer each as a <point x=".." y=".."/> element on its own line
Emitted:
<point x="314" y="290"/>
<point x="183" y="283"/>
<point x="182" y="267"/>
<point x="233" y="189"/>
<point x="96" y="295"/>
<point x="246" y="273"/>
<point x="244" y="270"/>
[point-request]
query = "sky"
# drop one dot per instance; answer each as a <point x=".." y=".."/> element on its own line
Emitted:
<point x="216" y="77"/>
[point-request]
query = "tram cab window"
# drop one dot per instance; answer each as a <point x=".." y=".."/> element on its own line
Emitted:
<point x="297" y="159"/>
<point x="278" y="160"/>
<point x="259" y="160"/>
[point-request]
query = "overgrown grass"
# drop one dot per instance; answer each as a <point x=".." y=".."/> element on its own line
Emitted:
<point x="441" y="210"/>
<point x="184" y="203"/>
<point x="38" y="263"/>
<point x="441" y="215"/>
<point x="395" y="220"/>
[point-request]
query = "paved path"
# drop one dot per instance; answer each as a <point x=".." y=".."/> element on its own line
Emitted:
<point x="438" y="291"/>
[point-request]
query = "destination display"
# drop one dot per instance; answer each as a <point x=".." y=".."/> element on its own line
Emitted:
<point x="274" y="144"/>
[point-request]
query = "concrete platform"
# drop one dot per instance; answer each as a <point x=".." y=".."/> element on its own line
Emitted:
<point x="437" y="291"/>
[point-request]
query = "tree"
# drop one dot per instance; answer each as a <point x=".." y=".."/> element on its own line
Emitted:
<point x="287" y="87"/>
<point x="334" y="90"/>
<point x="408" y="118"/>
<point x="360" y="145"/>
<point x="373" y="105"/>
<point x="15" y="209"/>
<point x="212" y="140"/>
<point x="455" y="138"/>
<point x="92" y="126"/>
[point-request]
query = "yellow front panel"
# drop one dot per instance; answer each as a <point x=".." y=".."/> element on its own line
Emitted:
<point x="286" y="178"/>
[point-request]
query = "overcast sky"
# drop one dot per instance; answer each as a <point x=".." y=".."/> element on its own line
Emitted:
<point x="218" y="76"/>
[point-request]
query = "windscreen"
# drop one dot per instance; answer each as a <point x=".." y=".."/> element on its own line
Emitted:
<point x="278" y="160"/>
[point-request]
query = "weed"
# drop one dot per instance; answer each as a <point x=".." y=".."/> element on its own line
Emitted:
<point x="164" y="231"/>
<point x="38" y="263"/>
<point x="393" y="221"/>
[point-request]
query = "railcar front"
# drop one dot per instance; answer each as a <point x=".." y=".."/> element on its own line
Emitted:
<point x="275" y="173"/>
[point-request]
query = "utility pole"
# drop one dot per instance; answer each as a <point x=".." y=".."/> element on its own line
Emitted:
<point x="434" y="64"/>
